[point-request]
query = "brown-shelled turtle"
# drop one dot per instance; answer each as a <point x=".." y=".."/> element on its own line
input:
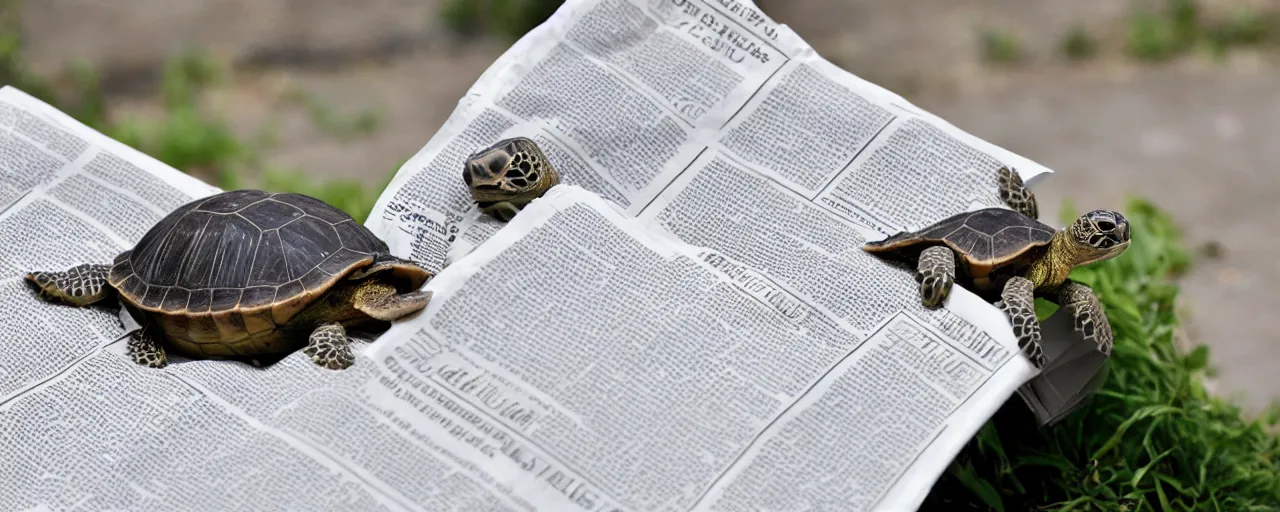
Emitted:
<point x="249" y="274"/>
<point x="507" y="175"/>
<point x="1007" y="256"/>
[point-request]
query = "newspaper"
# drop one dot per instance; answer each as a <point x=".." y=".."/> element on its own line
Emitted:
<point x="708" y="120"/>
<point x="688" y="323"/>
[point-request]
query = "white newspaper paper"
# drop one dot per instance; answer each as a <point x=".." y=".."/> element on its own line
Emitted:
<point x="688" y="323"/>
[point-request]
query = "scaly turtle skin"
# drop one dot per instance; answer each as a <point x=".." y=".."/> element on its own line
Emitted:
<point x="249" y="274"/>
<point x="1007" y="256"/>
<point x="506" y="176"/>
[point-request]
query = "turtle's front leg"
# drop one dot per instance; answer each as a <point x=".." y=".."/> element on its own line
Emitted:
<point x="145" y="347"/>
<point x="80" y="285"/>
<point x="330" y="347"/>
<point x="503" y="211"/>
<point x="936" y="272"/>
<point x="1090" y="321"/>
<point x="1018" y="300"/>
<point x="1016" y="194"/>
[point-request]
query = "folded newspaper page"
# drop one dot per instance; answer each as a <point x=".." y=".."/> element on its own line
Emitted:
<point x="687" y="324"/>
<point x="593" y="362"/>
<point x="709" y="120"/>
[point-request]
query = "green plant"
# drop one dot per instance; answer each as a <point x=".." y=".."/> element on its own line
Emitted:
<point x="187" y="136"/>
<point x="1152" y="439"/>
<point x="1078" y="44"/>
<point x="330" y="121"/>
<point x="89" y="107"/>
<point x="14" y="70"/>
<point x="1184" y="16"/>
<point x="186" y="75"/>
<point x="1151" y="38"/>
<point x="1243" y="27"/>
<point x="507" y="19"/>
<point x="461" y="17"/>
<point x="1000" y="47"/>
<point x="1182" y="26"/>
<point x="350" y="196"/>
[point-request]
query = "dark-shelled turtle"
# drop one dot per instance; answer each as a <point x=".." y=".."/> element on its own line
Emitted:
<point x="247" y="274"/>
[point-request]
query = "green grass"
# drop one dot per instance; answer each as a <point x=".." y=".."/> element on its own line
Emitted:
<point x="348" y="195"/>
<point x="1182" y="26"/>
<point x="190" y="137"/>
<point x="1079" y="44"/>
<point x="1000" y="47"/>
<point x="325" y="117"/>
<point x="506" y="19"/>
<point x="1153" y="438"/>
<point x="1154" y="38"/>
<point x="1244" y="27"/>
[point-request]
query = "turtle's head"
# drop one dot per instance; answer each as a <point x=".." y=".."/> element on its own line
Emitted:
<point x="506" y="176"/>
<point x="1098" y="235"/>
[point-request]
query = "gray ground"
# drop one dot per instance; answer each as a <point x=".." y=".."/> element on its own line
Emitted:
<point x="1192" y="135"/>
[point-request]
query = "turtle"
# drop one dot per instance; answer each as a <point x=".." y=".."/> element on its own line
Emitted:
<point x="506" y="176"/>
<point x="1008" y="257"/>
<point x="248" y="274"/>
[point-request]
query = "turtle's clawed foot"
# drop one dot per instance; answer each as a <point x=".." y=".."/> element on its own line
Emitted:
<point x="1016" y="194"/>
<point x="329" y="347"/>
<point x="145" y="348"/>
<point x="1090" y="321"/>
<point x="80" y="285"/>
<point x="936" y="273"/>
<point x="1018" y="302"/>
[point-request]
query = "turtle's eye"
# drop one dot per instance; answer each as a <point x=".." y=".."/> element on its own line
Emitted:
<point x="1106" y="225"/>
<point x="497" y="165"/>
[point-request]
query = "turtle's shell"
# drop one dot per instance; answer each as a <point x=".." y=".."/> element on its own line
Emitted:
<point x="986" y="240"/>
<point x="222" y="272"/>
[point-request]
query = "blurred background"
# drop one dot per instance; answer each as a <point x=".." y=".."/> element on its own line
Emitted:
<point x="1176" y="101"/>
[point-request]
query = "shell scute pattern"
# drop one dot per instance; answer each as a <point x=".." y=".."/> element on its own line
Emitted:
<point x="231" y="203"/>
<point x="314" y="207"/>
<point x="199" y="302"/>
<point x="175" y="298"/>
<point x="990" y="236"/>
<point x="225" y="299"/>
<point x="309" y="241"/>
<point x="269" y="266"/>
<point x="258" y="296"/>
<point x="270" y="214"/>
<point x="355" y="238"/>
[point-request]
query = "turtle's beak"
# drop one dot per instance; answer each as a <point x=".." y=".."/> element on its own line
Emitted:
<point x="1120" y="235"/>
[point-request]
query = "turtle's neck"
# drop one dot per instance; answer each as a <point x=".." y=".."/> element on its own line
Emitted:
<point x="1052" y="269"/>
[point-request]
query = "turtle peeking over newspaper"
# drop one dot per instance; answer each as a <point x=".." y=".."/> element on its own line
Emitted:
<point x="1010" y="257"/>
<point x="508" y="175"/>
